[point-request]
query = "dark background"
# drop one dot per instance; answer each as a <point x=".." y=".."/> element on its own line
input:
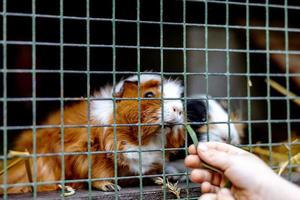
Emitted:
<point x="19" y="56"/>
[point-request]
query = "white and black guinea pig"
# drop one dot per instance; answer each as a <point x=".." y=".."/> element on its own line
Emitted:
<point x="211" y="122"/>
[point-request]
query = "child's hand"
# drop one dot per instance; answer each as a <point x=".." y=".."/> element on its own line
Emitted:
<point x="251" y="177"/>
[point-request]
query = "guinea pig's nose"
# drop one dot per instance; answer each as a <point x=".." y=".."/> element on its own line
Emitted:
<point x="177" y="110"/>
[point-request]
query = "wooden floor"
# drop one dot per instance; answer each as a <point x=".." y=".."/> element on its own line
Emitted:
<point x="150" y="192"/>
<point x="131" y="193"/>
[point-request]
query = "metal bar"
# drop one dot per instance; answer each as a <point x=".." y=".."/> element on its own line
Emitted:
<point x="34" y="130"/>
<point x="274" y="144"/>
<point x="157" y="73"/>
<point x="161" y="45"/>
<point x="139" y="98"/>
<point x="228" y="71"/>
<point x="248" y="4"/>
<point x="88" y="90"/>
<point x="62" y="121"/>
<point x="268" y="84"/>
<point x="259" y="51"/>
<point x="114" y="90"/>
<point x="152" y="124"/>
<point x="185" y="92"/>
<point x="206" y="65"/>
<point x="273" y="28"/>
<point x="249" y="82"/>
<point x="23" y="99"/>
<point x="287" y="71"/>
<point x="4" y="114"/>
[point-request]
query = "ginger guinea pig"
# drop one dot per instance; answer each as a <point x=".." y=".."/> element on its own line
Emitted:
<point x="101" y="137"/>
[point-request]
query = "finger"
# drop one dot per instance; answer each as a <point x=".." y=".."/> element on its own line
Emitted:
<point x="225" y="194"/>
<point x="200" y="175"/>
<point x="192" y="149"/>
<point x="216" y="158"/>
<point x="219" y="146"/>
<point x="208" y="196"/>
<point x="207" y="187"/>
<point x="192" y="161"/>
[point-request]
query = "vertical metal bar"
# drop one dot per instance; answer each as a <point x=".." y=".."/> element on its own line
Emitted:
<point x="34" y="99"/>
<point x="287" y="69"/>
<point x="114" y="100"/>
<point x="62" y="121"/>
<point x="184" y="42"/>
<point x="161" y="45"/>
<point x="4" y="27"/>
<point x="228" y="70"/>
<point x="206" y="65"/>
<point x="139" y="97"/>
<point x="248" y="75"/>
<point x="88" y="90"/>
<point x="268" y="84"/>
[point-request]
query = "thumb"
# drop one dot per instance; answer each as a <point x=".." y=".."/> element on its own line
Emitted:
<point x="214" y="156"/>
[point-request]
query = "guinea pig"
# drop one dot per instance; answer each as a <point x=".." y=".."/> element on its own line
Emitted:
<point x="219" y="126"/>
<point x="210" y="121"/>
<point x="110" y="126"/>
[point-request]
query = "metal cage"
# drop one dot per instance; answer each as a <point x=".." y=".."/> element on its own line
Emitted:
<point x="242" y="53"/>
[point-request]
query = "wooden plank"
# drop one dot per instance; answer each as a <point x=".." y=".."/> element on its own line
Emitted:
<point x="132" y="193"/>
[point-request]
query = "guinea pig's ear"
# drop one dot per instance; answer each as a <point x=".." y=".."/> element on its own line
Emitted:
<point x="127" y="85"/>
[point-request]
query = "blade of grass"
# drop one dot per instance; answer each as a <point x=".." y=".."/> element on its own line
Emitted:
<point x="276" y="86"/>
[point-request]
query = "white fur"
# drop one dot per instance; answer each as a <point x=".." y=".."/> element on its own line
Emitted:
<point x="101" y="110"/>
<point x="143" y="78"/>
<point x="170" y="116"/>
<point x="147" y="158"/>
<point x="220" y="129"/>
<point x="218" y="114"/>
<point x="172" y="89"/>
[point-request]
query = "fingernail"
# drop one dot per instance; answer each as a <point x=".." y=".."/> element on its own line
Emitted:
<point x="202" y="147"/>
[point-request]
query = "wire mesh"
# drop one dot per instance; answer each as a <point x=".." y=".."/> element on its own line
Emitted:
<point x="166" y="42"/>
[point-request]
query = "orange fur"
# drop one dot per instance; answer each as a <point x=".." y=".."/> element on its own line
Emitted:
<point x="48" y="140"/>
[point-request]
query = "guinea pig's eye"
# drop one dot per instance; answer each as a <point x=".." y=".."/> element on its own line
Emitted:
<point x="149" y="95"/>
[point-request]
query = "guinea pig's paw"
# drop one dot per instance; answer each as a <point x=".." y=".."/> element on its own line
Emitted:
<point x="176" y="169"/>
<point x="170" y="169"/>
<point x="106" y="186"/>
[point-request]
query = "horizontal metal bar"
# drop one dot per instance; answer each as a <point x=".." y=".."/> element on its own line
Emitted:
<point x="39" y="183"/>
<point x="274" y="144"/>
<point x="135" y="73"/>
<point x="253" y="98"/>
<point x="152" y="124"/>
<point x="40" y="155"/>
<point x="269" y="5"/>
<point x="259" y="51"/>
<point x="154" y="22"/>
